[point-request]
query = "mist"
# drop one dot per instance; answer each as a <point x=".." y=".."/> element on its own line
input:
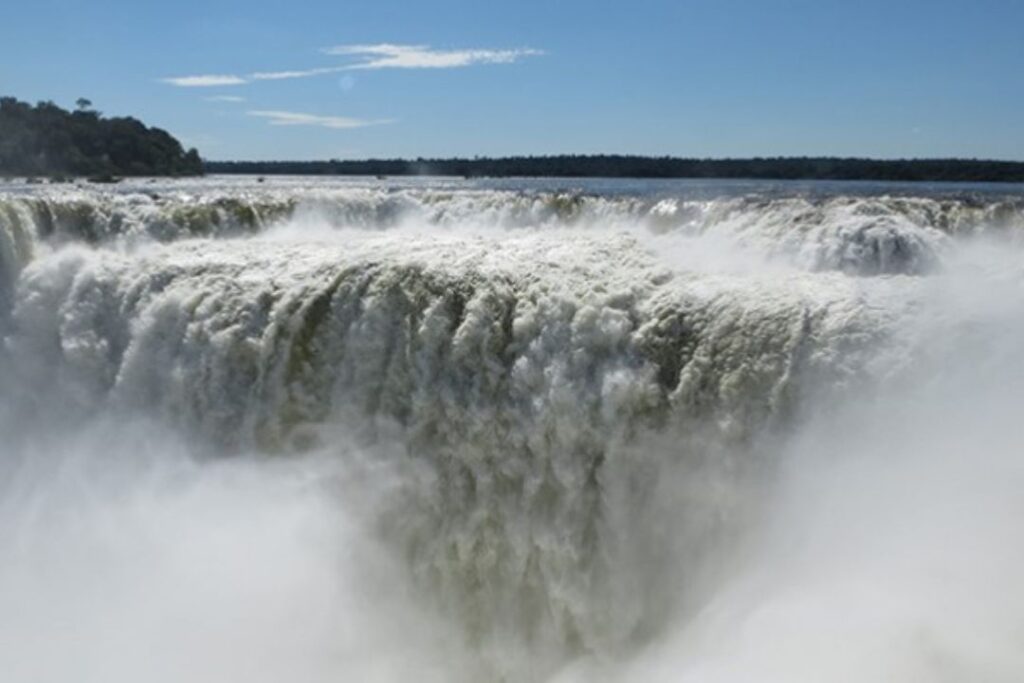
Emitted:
<point x="468" y="436"/>
<point x="885" y="547"/>
<point x="125" y="556"/>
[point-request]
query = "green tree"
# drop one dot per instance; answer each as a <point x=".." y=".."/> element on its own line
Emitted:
<point x="47" y="140"/>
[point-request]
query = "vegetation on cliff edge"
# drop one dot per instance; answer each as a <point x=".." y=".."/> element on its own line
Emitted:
<point x="47" y="140"/>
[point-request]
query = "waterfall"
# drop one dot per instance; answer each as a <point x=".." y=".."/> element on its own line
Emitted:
<point x="558" y="422"/>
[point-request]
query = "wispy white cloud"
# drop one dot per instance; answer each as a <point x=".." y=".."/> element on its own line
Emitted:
<point x="377" y="56"/>
<point x="225" y="98"/>
<point x="205" y="81"/>
<point x="390" y="56"/>
<point x="291" y="118"/>
<point x="303" y="73"/>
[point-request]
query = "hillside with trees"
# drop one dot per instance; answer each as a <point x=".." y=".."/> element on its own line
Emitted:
<point x="616" y="166"/>
<point x="47" y="140"/>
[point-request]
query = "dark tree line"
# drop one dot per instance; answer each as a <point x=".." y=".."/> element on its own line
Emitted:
<point x="47" y="140"/>
<point x="615" y="166"/>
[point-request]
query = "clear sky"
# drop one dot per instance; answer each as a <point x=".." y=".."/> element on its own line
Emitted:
<point x="382" y="78"/>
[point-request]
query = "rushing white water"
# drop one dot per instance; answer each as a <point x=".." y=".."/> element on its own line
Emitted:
<point x="267" y="431"/>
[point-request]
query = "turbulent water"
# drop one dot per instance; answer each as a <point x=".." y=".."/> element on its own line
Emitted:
<point x="323" y="430"/>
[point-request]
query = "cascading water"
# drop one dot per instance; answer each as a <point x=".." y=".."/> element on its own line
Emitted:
<point x="448" y="430"/>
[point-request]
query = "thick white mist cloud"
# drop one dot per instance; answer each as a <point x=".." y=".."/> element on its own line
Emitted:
<point x="871" y="539"/>
<point x="889" y="545"/>
<point x="125" y="558"/>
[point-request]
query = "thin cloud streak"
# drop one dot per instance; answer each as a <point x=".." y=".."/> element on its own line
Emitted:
<point x="291" y="118"/>
<point x="225" y="98"/>
<point x="390" y="56"/>
<point x="205" y="81"/>
<point x="378" y="56"/>
<point x="304" y="73"/>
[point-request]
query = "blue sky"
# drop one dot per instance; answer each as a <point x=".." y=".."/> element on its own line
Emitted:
<point x="440" y="78"/>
